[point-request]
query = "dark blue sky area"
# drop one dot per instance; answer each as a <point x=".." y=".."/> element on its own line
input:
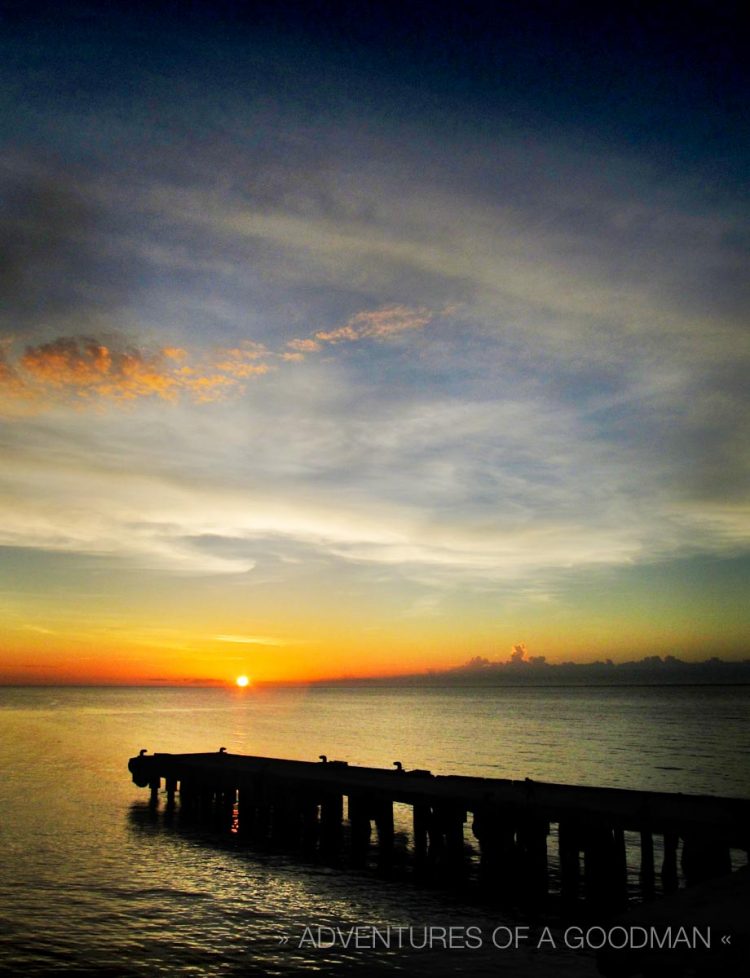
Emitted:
<point x="642" y="71"/>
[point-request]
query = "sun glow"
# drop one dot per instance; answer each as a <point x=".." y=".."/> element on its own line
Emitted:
<point x="242" y="681"/>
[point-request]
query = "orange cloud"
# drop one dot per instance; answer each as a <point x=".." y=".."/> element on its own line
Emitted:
<point x="389" y="321"/>
<point x="68" y="362"/>
<point x="304" y="345"/>
<point x="241" y="362"/>
<point x="374" y="324"/>
<point x="338" y="335"/>
<point x="206" y="388"/>
<point x="84" y="369"/>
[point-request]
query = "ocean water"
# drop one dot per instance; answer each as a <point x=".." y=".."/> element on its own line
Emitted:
<point x="92" y="881"/>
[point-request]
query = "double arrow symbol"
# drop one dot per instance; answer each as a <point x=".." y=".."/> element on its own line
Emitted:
<point x="726" y="939"/>
<point x="283" y="939"/>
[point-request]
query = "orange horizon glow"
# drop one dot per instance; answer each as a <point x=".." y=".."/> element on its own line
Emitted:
<point x="108" y="673"/>
<point x="97" y="646"/>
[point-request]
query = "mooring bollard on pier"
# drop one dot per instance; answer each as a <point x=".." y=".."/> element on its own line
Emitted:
<point x="301" y="805"/>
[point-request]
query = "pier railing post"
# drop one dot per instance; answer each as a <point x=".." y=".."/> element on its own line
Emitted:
<point x="604" y="866"/>
<point x="171" y="789"/>
<point x="154" y="785"/>
<point x="446" y="850"/>
<point x="499" y="855"/>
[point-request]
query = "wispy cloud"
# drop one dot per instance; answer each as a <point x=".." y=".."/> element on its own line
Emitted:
<point x="376" y="324"/>
<point x="250" y="640"/>
<point x="437" y="494"/>
<point x="379" y="324"/>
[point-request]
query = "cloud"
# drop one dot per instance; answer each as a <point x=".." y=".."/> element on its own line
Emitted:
<point x="250" y="640"/>
<point x="242" y="362"/>
<point x="115" y="493"/>
<point x="438" y="489"/>
<point x="376" y="324"/>
<point x="536" y="670"/>
<point x="87" y="366"/>
<point x="87" y="369"/>
<point x="579" y="409"/>
<point x="380" y="324"/>
<point x="304" y="345"/>
<point x="651" y="668"/>
<point x="579" y="253"/>
<point x="518" y="654"/>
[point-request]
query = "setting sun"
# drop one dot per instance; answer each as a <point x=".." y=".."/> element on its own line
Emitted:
<point x="242" y="681"/>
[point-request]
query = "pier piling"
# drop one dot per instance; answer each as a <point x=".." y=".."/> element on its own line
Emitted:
<point x="647" y="874"/>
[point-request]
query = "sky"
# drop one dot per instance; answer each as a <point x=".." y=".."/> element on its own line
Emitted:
<point x="358" y="339"/>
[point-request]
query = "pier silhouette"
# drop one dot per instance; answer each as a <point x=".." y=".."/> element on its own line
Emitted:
<point x="300" y="805"/>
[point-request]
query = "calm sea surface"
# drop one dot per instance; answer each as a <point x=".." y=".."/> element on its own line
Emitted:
<point x="92" y="882"/>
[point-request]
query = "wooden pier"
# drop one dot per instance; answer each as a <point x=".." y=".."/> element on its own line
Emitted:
<point x="300" y="804"/>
